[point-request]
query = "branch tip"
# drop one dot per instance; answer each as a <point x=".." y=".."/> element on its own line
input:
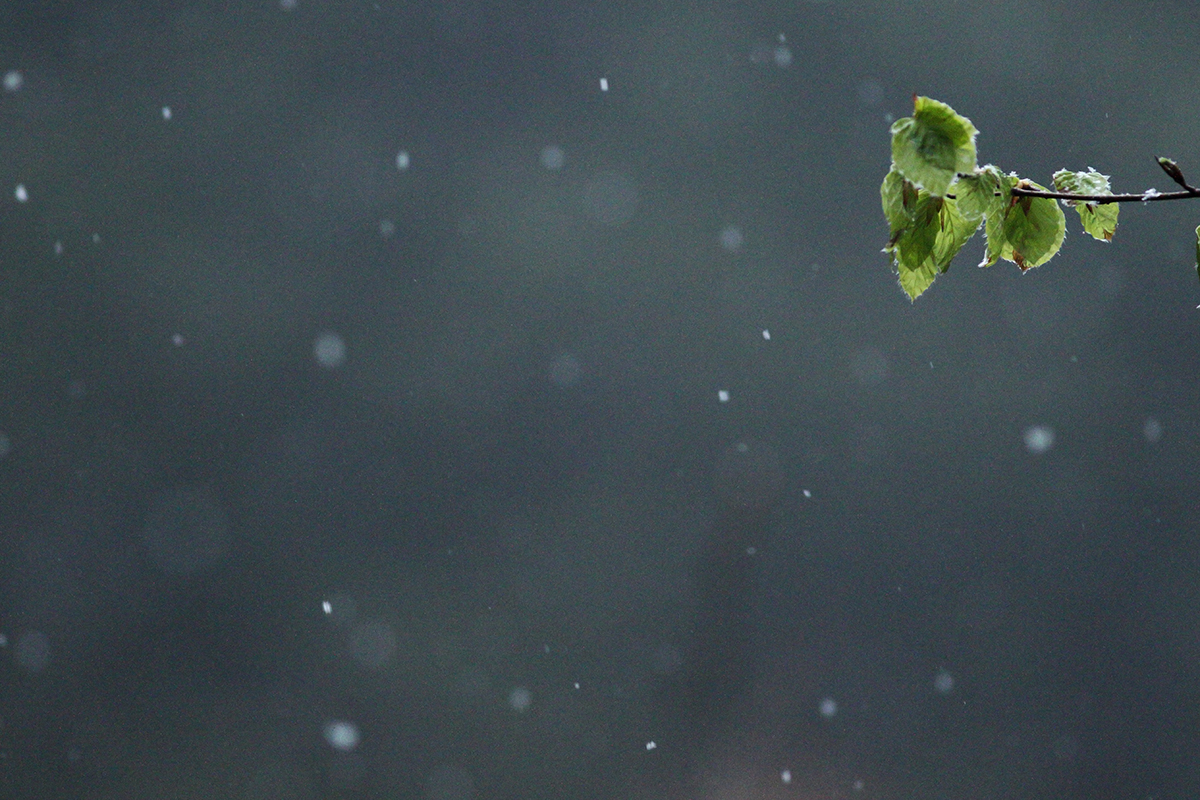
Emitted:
<point x="1172" y="169"/>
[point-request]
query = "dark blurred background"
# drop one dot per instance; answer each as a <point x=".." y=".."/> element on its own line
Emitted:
<point x="460" y="400"/>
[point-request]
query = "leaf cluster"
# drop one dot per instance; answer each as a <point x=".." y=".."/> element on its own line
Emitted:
<point x="935" y="197"/>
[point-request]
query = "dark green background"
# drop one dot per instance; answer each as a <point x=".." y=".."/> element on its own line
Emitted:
<point x="882" y="522"/>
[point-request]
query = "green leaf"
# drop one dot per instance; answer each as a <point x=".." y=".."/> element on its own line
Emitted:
<point x="1090" y="182"/>
<point x="979" y="193"/>
<point x="1099" y="219"/>
<point x="933" y="146"/>
<point x="1024" y="230"/>
<point x="892" y="194"/>
<point x="1030" y="231"/>
<point x="914" y="282"/>
<point x="998" y="246"/>
<point x="954" y="230"/>
<point x="926" y="232"/>
<point x="915" y="227"/>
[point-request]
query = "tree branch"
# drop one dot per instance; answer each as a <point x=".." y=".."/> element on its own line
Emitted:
<point x="1148" y="196"/>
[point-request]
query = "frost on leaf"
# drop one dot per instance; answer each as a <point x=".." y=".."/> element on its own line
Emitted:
<point x="1099" y="219"/>
<point x="1090" y="182"/>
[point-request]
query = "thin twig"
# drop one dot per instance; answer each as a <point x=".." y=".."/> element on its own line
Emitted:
<point x="1168" y="166"/>
<point x="1102" y="199"/>
<point x="1172" y="169"/>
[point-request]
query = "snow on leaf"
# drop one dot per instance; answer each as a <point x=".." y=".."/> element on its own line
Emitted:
<point x="1099" y="219"/>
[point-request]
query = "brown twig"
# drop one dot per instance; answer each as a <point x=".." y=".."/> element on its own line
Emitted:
<point x="1150" y="195"/>
<point x="1100" y="199"/>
